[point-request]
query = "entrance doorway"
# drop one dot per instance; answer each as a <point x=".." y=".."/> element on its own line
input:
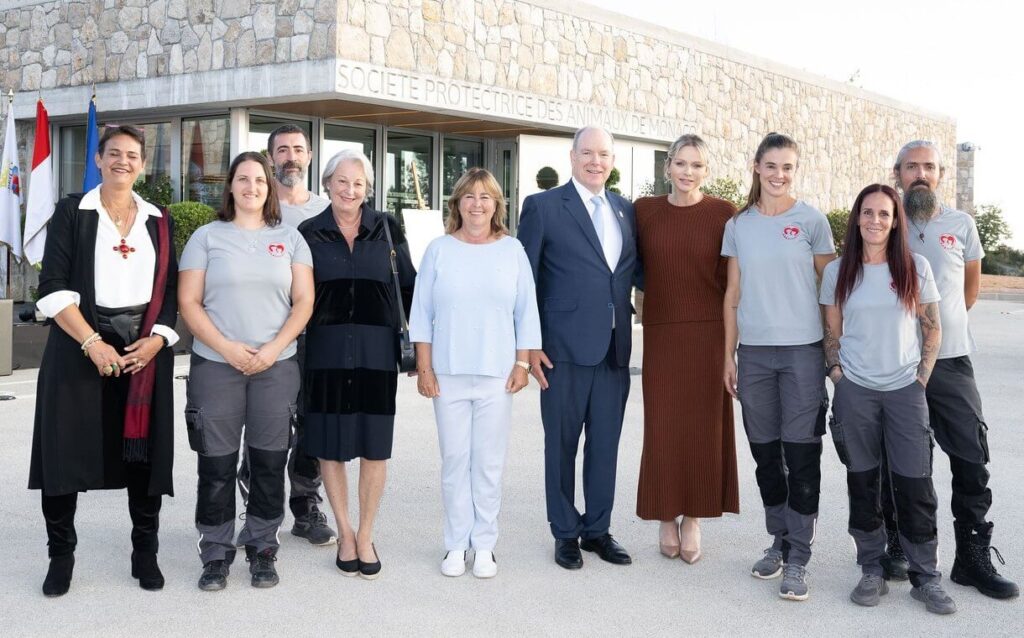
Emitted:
<point x="503" y="163"/>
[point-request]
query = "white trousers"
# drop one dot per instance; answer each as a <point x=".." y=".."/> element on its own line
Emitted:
<point x="473" y="414"/>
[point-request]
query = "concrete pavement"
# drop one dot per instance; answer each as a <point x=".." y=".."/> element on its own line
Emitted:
<point x="531" y="595"/>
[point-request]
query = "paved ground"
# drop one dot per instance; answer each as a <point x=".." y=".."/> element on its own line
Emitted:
<point x="531" y="595"/>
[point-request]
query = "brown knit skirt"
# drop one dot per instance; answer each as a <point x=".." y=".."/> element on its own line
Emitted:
<point x="689" y="460"/>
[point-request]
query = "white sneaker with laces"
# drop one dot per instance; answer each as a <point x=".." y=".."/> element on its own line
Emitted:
<point x="484" y="565"/>
<point x="454" y="564"/>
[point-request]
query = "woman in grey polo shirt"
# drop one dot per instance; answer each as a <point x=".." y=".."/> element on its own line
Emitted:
<point x="876" y="300"/>
<point x="777" y="248"/>
<point x="246" y="292"/>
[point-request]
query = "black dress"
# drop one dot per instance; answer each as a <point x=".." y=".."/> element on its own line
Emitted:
<point x="77" y="437"/>
<point x="351" y="371"/>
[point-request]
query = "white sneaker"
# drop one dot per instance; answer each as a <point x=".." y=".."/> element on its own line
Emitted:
<point x="454" y="564"/>
<point x="484" y="565"/>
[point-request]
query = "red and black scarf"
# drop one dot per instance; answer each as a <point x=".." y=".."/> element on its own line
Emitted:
<point x="138" y="410"/>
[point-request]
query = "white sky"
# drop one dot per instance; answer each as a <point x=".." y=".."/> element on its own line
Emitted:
<point x="962" y="59"/>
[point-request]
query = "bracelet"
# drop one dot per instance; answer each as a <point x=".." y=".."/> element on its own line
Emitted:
<point x="525" y="365"/>
<point x="833" y="367"/>
<point x="89" y="341"/>
<point x="162" y="338"/>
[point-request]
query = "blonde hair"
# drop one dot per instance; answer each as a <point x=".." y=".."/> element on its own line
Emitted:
<point x="469" y="180"/>
<point x="682" y="142"/>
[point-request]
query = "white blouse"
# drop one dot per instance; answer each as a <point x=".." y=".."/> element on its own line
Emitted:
<point x="123" y="277"/>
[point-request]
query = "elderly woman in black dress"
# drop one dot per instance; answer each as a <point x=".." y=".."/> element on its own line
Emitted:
<point x="352" y="349"/>
<point x="105" y="420"/>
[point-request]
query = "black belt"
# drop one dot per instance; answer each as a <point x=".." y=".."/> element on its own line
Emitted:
<point x="124" y="322"/>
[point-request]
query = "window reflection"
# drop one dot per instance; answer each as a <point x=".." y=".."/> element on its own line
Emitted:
<point x="338" y="138"/>
<point x="409" y="173"/>
<point x="205" y="150"/>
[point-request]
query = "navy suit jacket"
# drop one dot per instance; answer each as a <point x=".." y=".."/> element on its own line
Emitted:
<point x="577" y="293"/>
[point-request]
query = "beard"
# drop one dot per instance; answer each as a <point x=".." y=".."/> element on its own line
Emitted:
<point x="920" y="203"/>
<point x="289" y="179"/>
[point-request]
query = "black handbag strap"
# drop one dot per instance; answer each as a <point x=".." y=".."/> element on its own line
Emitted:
<point x="394" y="273"/>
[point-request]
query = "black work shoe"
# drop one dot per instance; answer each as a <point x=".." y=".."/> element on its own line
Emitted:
<point x="973" y="564"/>
<point x="313" y="527"/>
<point x="567" y="553"/>
<point x="215" y="575"/>
<point x="145" y="569"/>
<point x="58" y="576"/>
<point x="261" y="566"/>
<point x="608" y="549"/>
<point x="894" y="563"/>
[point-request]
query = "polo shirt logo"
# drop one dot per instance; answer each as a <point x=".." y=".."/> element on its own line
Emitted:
<point x="791" y="232"/>
<point x="275" y="250"/>
<point x="892" y="285"/>
<point x="947" y="241"/>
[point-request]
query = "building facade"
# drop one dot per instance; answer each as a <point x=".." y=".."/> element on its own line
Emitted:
<point x="428" y="89"/>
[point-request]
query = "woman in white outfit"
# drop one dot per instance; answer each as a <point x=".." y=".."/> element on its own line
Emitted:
<point x="474" y="320"/>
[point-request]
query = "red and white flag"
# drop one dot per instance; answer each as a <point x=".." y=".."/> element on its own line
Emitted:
<point x="41" y="202"/>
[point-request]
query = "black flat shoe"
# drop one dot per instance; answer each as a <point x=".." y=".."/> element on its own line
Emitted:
<point x="608" y="549"/>
<point x="58" y="576"/>
<point x="567" y="553"/>
<point x="347" y="567"/>
<point x="369" y="571"/>
<point x="145" y="569"/>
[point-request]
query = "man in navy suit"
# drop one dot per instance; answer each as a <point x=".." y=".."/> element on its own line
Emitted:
<point x="581" y="241"/>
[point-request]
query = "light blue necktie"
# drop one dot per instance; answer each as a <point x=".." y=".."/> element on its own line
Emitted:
<point x="598" y="218"/>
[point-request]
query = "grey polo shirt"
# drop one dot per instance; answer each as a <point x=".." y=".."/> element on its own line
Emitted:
<point x="881" y="345"/>
<point x="778" y="282"/>
<point x="248" y="287"/>
<point x="950" y="241"/>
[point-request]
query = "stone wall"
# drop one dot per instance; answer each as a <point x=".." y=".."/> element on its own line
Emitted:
<point x="560" y="49"/>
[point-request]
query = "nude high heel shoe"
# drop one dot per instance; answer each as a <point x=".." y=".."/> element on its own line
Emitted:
<point x="692" y="540"/>
<point x="669" y="550"/>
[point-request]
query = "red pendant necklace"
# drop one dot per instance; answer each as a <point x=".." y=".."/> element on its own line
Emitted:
<point x="124" y="248"/>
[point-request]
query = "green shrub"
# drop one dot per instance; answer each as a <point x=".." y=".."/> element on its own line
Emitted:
<point x="188" y="216"/>
<point x="155" y="189"/>
<point x="613" y="180"/>
<point x="1003" y="261"/>
<point x="838" y="218"/>
<point x="727" y="189"/>
<point x="547" y="178"/>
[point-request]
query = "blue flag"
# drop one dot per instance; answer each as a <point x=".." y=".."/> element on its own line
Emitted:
<point x="92" y="144"/>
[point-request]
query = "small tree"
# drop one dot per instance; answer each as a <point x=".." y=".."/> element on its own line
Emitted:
<point x="992" y="228"/>
<point x="838" y="218"/>
<point x="547" y="178"/>
<point x="613" y="180"/>
<point x="727" y="189"/>
<point x="188" y="216"/>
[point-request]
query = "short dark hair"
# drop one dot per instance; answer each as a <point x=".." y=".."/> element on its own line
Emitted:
<point x="111" y="132"/>
<point x="282" y="130"/>
<point x="271" y="207"/>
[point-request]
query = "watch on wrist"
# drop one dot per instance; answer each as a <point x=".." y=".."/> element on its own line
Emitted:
<point x="525" y="365"/>
<point x="833" y="367"/>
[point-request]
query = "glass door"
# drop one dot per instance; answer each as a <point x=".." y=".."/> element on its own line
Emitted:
<point x="409" y="172"/>
<point x="506" y="171"/>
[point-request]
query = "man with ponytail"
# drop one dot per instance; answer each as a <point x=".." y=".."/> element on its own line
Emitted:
<point x="948" y="239"/>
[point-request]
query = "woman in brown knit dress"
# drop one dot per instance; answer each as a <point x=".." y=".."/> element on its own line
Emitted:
<point x="688" y="468"/>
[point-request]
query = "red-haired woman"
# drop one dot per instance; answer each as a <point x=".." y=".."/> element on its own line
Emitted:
<point x="876" y="299"/>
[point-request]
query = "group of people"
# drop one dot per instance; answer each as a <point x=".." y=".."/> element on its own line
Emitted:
<point x="297" y="304"/>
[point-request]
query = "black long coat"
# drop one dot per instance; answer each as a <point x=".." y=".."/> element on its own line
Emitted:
<point x="67" y="440"/>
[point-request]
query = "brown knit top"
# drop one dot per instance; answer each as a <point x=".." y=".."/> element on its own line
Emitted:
<point x="680" y="248"/>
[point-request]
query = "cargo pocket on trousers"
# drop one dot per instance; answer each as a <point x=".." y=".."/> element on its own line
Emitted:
<point x="839" y="440"/>
<point x="819" y="424"/>
<point x="194" y="423"/>
<point x="983" y="440"/>
<point x="293" y="425"/>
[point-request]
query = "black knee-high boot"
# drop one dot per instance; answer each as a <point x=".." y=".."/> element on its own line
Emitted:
<point x="59" y="514"/>
<point x="145" y="513"/>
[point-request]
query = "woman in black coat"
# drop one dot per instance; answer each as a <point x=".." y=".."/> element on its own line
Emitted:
<point x="104" y="408"/>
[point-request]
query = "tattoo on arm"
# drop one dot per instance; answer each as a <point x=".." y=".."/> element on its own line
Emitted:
<point x="831" y="345"/>
<point x="931" y="338"/>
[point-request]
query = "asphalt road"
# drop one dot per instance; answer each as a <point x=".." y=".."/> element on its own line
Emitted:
<point x="531" y="595"/>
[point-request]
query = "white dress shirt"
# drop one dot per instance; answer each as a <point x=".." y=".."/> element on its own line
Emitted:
<point x="611" y="242"/>
<point x="120" y="282"/>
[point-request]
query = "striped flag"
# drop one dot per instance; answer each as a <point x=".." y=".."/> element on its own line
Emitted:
<point x="41" y="203"/>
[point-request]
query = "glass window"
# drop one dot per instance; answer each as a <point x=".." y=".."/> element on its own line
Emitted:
<point x="260" y="127"/>
<point x="154" y="184"/>
<point x="660" y="186"/>
<point x="338" y="138"/>
<point x="205" y="150"/>
<point x="72" y="159"/>
<point x="457" y="157"/>
<point x="409" y="173"/>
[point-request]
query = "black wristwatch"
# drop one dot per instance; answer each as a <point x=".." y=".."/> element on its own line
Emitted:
<point x="166" y="341"/>
<point x="833" y="367"/>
